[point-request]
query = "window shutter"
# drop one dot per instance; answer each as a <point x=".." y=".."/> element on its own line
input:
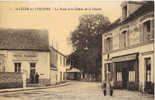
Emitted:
<point x="105" y="45"/>
<point x="128" y="40"/>
<point x="152" y="28"/>
<point x="119" y="40"/>
<point x="141" y="32"/>
<point x="111" y="44"/>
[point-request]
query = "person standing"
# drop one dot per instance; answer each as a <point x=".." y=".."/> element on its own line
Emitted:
<point x="104" y="88"/>
<point x="37" y="77"/>
<point x="32" y="77"/>
<point x="111" y="88"/>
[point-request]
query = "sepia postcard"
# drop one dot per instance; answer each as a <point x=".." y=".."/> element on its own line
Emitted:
<point x="77" y="50"/>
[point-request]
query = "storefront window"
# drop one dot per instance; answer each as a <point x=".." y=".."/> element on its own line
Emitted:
<point x="132" y="76"/>
<point x="148" y="69"/>
<point x="119" y="76"/>
<point x="17" y="67"/>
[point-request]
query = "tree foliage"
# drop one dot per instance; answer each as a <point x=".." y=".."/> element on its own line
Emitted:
<point x="86" y="41"/>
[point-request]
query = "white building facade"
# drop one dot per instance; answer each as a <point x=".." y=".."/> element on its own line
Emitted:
<point x="58" y="66"/>
<point x="25" y="51"/>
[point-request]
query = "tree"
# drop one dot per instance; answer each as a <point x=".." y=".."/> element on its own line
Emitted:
<point x="87" y="43"/>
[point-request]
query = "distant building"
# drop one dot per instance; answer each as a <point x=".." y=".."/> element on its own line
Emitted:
<point x="58" y="66"/>
<point x="128" y="48"/>
<point x="26" y="51"/>
<point x="73" y="74"/>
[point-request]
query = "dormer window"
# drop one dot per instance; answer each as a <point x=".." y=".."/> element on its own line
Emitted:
<point x="129" y="7"/>
<point x="124" y="11"/>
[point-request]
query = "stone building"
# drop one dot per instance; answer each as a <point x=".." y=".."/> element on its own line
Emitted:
<point x="25" y="51"/>
<point x="128" y="48"/>
<point x="58" y="66"/>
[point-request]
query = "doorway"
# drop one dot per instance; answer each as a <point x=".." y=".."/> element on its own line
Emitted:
<point x="32" y="72"/>
<point x="125" y="75"/>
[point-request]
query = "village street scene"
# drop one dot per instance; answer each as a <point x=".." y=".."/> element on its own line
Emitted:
<point x="74" y="50"/>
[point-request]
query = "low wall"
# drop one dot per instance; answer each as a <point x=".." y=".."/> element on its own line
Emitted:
<point x="10" y="80"/>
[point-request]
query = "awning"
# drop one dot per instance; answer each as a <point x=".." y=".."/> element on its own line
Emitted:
<point x="124" y="58"/>
<point x="74" y="70"/>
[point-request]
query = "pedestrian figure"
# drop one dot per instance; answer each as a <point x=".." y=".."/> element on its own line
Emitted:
<point x="111" y="88"/>
<point x="32" y="77"/>
<point x="104" y="88"/>
<point x="37" y="77"/>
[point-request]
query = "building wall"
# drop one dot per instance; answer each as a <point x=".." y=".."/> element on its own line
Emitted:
<point x="61" y="68"/>
<point x="58" y="61"/>
<point x="3" y="60"/>
<point x="135" y="44"/>
<point x="53" y="76"/>
<point x="25" y="58"/>
<point x="134" y="32"/>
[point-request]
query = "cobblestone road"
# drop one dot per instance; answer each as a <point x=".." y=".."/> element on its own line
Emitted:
<point x="75" y="91"/>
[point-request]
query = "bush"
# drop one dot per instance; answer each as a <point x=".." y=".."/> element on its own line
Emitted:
<point x="149" y="88"/>
<point x="118" y="85"/>
<point x="133" y="86"/>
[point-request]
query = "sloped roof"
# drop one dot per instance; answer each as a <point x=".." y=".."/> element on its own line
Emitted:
<point x="113" y="25"/>
<point x="24" y="39"/>
<point x="52" y="48"/>
<point x="148" y="6"/>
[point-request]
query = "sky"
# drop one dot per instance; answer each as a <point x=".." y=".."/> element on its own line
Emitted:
<point x="59" y="23"/>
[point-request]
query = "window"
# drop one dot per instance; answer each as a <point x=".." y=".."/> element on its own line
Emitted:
<point x="148" y="69"/>
<point x="32" y="65"/>
<point x="147" y="26"/>
<point x="108" y="44"/>
<point x="148" y="34"/>
<point x="124" y="12"/>
<point x="109" y="67"/>
<point x="64" y="62"/>
<point x="123" y="39"/>
<point x="17" y="67"/>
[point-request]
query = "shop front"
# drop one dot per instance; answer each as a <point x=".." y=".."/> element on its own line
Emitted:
<point x="123" y="71"/>
<point x="31" y="63"/>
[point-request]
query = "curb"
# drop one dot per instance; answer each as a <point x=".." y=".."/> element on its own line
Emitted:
<point x="33" y="88"/>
